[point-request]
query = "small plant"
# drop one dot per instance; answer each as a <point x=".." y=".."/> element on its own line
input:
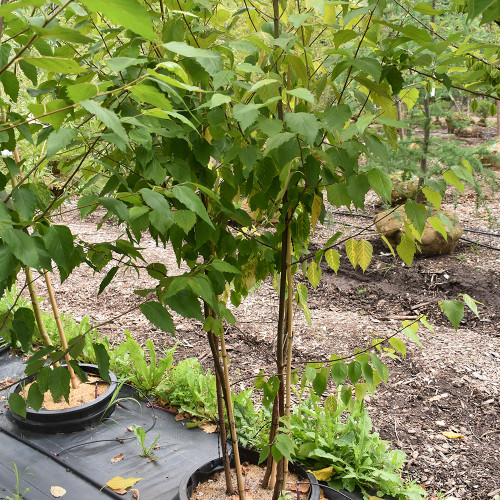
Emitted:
<point x="18" y="495"/>
<point x="140" y="434"/>
<point x="191" y="390"/>
<point x="129" y="360"/>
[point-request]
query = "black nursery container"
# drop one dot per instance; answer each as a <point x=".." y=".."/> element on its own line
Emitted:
<point x="203" y="472"/>
<point x="70" y="419"/>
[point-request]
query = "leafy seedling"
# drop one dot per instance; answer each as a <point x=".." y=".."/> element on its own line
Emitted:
<point x="140" y="434"/>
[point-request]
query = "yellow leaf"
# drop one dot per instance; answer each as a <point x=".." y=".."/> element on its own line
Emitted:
<point x="121" y="483"/>
<point x="364" y="252"/>
<point x="323" y="474"/>
<point x="57" y="491"/>
<point x="314" y="274"/>
<point x="452" y="435"/>
<point x="332" y="258"/>
<point x="316" y="210"/>
<point x="350" y="248"/>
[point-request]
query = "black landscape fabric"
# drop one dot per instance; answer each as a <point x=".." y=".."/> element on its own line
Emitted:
<point x="82" y="460"/>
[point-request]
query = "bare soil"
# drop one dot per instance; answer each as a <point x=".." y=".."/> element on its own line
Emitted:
<point x="84" y="393"/>
<point x="215" y="488"/>
<point x="452" y="383"/>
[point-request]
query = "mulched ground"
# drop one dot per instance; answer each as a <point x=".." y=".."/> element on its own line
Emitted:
<point x="451" y="384"/>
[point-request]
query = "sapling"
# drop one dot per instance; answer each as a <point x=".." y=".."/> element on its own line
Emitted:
<point x="140" y="434"/>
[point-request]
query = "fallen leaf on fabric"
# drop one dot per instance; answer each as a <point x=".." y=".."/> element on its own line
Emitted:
<point x="152" y="459"/>
<point x="323" y="474"/>
<point x="121" y="483"/>
<point x="208" y="427"/>
<point x="129" y="429"/>
<point x="135" y="493"/>
<point x="117" y="458"/>
<point x="57" y="491"/>
<point x="179" y="417"/>
<point x="452" y="435"/>
<point x="120" y="492"/>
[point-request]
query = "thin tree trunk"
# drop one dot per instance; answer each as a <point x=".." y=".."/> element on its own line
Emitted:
<point x="75" y="381"/>
<point x="497" y="102"/>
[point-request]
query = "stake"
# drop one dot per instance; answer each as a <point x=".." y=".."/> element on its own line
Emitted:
<point x="289" y="330"/>
<point x="75" y="382"/>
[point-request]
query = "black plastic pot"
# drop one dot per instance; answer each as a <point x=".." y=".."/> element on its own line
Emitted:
<point x="204" y="471"/>
<point x="333" y="494"/>
<point x="3" y="346"/>
<point x="70" y="419"/>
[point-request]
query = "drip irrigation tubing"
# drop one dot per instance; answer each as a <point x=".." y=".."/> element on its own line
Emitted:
<point x="477" y="231"/>
<point x="64" y="464"/>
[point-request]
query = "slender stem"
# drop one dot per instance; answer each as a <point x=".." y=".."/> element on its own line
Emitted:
<point x="75" y="382"/>
<point x="232" y="424"/>
<point x="289" y="329"/>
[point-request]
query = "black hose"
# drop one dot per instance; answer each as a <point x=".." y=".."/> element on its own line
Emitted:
<point x="62" y="463"/>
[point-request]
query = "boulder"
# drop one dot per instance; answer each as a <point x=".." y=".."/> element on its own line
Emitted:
<point x="392" y="227"/>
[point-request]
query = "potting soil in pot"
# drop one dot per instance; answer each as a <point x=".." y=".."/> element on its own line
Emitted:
<point x="84" y="393"/>
<point x="215" y="488"/>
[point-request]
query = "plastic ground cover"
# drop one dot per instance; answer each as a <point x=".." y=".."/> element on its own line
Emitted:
<point x="81" y="461"/>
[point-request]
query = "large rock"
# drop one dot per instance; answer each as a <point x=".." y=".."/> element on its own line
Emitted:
<point x="433" y="243"/>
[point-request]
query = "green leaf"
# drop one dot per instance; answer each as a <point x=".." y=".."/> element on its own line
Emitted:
<point x="360" y="391"/>
<point x="354" y="371"/>
<point x="381" y="182"/>
<point x="107" y="279"/>
<point x="151" y="95"/>
<point x="55" y="64"/>
<point x="59" y="379"/>
<point x="25" y="202"/>
<point x="185" y="219"/>
<point x="314" y="274"/>
<point x="35" y="397"/>
<point x="302" y="93"/>
<point x="60" y="139"/>
<point x="102" y="357"/>
<point x="339" y="372"/>
<point x="428" y="10"/>
<point x="398" y="345"/>
<point x="337" y="116"/>
<point x="438" y="225"/>
<point x="246" y="114"/>
<point x="319" y="383"/>
<point x="107" y="116"/>
<point x="433" y="196"/>
<point x="23" y="325"/>
<point x="10" y="84"/>
<point x="12" y="6"/>
<point x="471" y="303"/>
<point x="451" y="178"/>
<point x="285" y="445"/>
<point x="127" y="13"/>
<point x="185" y="303"/>
<point x="453" y="310"/>
<point x="17" y="404"/>
<point x="304" y="124"/>
<point x="189" y="198"/>
<point x="59" y="243"/>
<point x="78" y="92"/>
<point x="417" y="215"/>
<point x="158" y="315"/>
<point x="219" y="99"/>
<point x="406" y="249"/>
<point x="379" y="367"/>
<point x="115" y="206"/>
<point x="22" y="246"/>
<point x="29" y="71"/>
<point x="277" y="140"/>
<point x="224" y="267"/>
<point x="357" y="187"/>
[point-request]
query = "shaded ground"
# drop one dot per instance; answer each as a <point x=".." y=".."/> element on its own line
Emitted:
<point x="452" y="384"/>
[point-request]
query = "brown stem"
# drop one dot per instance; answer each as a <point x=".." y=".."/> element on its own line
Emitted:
<point x="75" y="382"/>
